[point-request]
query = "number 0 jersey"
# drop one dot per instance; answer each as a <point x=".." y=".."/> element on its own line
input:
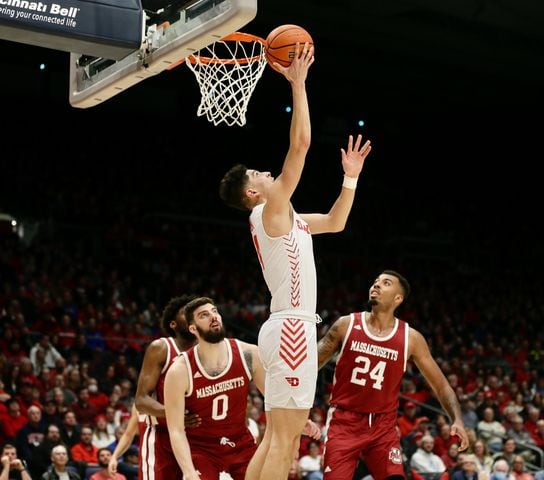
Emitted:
<point x="219" y="400"/>
<point x="369" y="369"/>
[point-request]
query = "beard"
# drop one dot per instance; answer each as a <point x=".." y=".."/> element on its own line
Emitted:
<point x="371" y="302"/>
<point x="212" y="336"/>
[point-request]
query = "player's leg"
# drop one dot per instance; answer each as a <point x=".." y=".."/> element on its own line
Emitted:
<point x="257" y="461"/>
<point x="383" y="455"/>
<point x="345" y="438"/>
<point x="166" y="465"/>
<point x="287" y="425"/>
<point x="290" y="384"/>
<point x="238" y="459"/>
<point x="205" y="465"/>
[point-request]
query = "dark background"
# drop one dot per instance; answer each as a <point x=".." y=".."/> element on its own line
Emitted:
<point x="451" y="94"/>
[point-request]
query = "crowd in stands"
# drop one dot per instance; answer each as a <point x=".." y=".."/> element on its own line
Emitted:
<point x="81" y="301"/>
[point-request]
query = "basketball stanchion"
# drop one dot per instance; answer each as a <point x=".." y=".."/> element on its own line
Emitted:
<point x="227" y="72"/>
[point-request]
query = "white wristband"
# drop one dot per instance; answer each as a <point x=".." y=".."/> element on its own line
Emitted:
<point x="350" y="182"/>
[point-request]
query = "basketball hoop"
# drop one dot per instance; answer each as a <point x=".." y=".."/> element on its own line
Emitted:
<point x="227" y="72"/>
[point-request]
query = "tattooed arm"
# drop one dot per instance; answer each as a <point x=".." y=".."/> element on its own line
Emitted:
<point x="332" y="341"/>
<point x="420" y="353"/>
<point x="253" y="361"/>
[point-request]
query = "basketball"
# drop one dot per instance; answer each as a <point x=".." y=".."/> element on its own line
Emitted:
<point x="281" y="44"/>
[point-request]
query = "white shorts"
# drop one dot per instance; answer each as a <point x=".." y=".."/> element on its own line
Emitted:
<point x="288" y="350"/>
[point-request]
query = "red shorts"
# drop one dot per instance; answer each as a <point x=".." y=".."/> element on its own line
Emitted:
<point x="371" y="437"/>
<point x="157" y="459"/>
<point x="224" y="455"/>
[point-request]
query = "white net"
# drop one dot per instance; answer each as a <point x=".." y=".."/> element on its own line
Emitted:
<point x="227" y="72"/>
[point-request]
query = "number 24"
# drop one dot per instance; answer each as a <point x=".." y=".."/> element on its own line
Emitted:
<point x="376" y="374"/>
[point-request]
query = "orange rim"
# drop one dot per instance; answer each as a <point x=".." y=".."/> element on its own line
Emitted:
<point x="233" y="37"/>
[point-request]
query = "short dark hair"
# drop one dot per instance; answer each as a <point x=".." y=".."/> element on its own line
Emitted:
<point x="193" y="305"/>
<point x="232" y="186"/>
<point x="403" y="282"/>
<point x="171" y="311"/>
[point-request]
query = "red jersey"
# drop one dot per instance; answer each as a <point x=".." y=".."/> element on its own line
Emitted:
<point x="172" y="353"/>
<point x="369" y="369"/>
<point x="156" y="459"/>
<point x="220" y="400"/>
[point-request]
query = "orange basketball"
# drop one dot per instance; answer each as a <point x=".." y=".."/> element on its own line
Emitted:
<point x="281" y="44"/>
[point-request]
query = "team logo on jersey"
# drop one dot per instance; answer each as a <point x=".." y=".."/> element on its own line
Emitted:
<point x="197" y="375"/>
<point x="226" y="441"/>
<point x="395" y="456"/>
<point x="327" y="469"/>
<point x="293" y="381"/>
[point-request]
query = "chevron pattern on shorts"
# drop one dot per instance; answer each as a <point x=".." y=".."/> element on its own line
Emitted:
<point x="293" y="348"/>
<point x="291" y="247"/>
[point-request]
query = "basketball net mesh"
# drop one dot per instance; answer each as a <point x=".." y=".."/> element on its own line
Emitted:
<point x="227" y="72"/>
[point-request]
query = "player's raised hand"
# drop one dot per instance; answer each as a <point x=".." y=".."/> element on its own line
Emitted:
<point x="298" y="70"/>
<point x="353" y="158"/>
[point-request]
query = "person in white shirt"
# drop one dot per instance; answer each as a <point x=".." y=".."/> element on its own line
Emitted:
<point x="425" y="462"/>
<point x="311" y="464"/>
<point x="47" y="357"/>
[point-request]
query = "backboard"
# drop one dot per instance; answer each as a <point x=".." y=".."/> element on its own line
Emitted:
<point x="169" y="36"/>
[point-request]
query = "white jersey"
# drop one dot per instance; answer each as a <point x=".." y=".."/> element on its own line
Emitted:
<point x="288" y="264"/>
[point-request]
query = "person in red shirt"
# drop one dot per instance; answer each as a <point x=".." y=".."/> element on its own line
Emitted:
<point x="13" y="421"/>
<point x="374" y="349"/>
<point x="104" y="457"/>
<point x="409" y="421"/>
<point x="84" y="450"/>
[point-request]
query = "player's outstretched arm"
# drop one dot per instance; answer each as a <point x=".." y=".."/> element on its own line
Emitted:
<point x="353" y="159"/>
<point x="332" y="341"/>
<point x="125" y="441"/>
<point x="176" y="384"/>
<point x="419" y="351"/>
<point x="154" y="359"/>
<point x="299" y="135"/>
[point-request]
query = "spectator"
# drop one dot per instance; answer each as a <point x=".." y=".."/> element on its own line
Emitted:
<point x="49" y="352"/>
<point x="41" y="457"/>
<point x="30" y="435"/>
<point x="85" y="451"/>
<point x="522" y="438"/>
<point x="507" y="452"/>
<point x="50" y="413"/>
<point x="97" y="398"/>
<point x="103" y="457"/>
<point x="425" y="462"/>
<point x="13" y="468"/>
<point x="13" y="421"/>
<point x="59" y="470"/>
<point x="70" y="430"/>
<point x="539" y="435"/>
<point x="443" y="440"/>
<point x="491" y="430"/>
<point x="484" y="461"/>
<point x="501" y="471"/>
<point x="468" y="469"/>
<point x="310" y="465"/>
<point x="101" y="436"/>
<point x="488" y="402"/>
<point x="518" y="469"/>
<point x="468" y="412"/>
<point x="129" y="466"/>
<point x="409" y="421"/>
<point x="450" y="457"/>
<point x="84" y="410"/>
